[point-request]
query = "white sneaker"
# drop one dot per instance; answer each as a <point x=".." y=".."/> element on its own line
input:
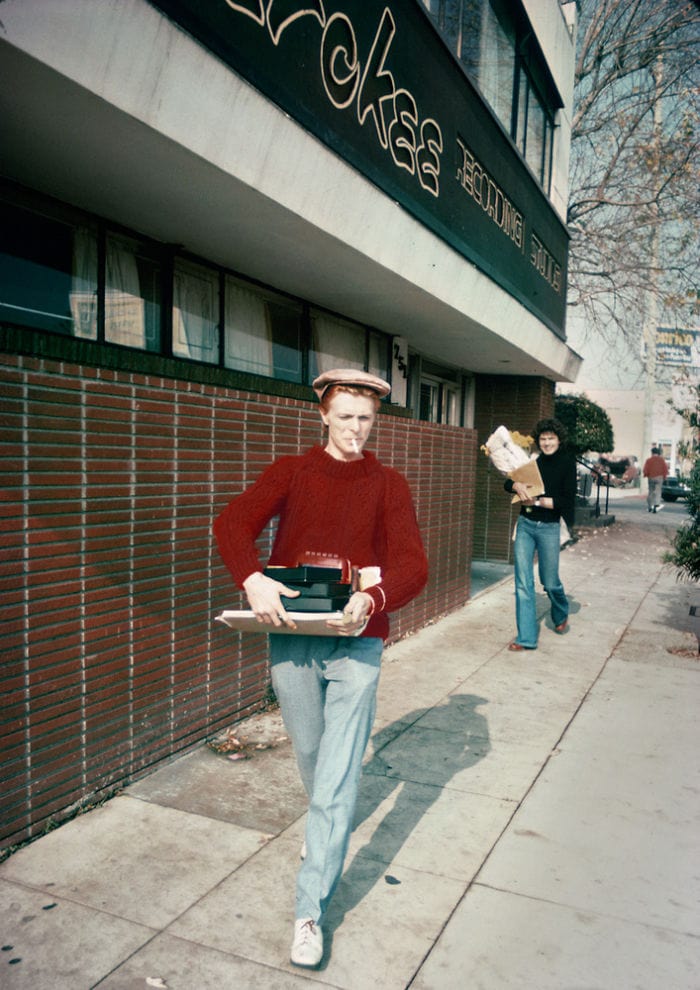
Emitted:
<point x="307" y="947"/>
<point x="659" y="508"/>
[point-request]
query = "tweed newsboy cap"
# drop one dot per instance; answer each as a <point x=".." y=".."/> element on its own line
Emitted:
<point x="350" y="376"/>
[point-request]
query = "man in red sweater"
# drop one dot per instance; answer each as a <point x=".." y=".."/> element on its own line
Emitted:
<point x="655" y="470"/>
<point x="338" y="501"/>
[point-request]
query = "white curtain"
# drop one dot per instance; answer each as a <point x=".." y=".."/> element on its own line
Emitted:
<point x="195" y="313"/>
<point x="535" y="135"/>
<point x="125" y="321"/>
<point x="248" y="331"/>
<point x="83" y="293"/>
<point x="336" y="343"/>
<point x="496" y="65"/>
<point x="376" y="362"/>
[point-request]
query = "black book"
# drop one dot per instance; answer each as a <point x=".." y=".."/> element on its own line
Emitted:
<point x="304" y="574"/>
<point x="321" y="589"/>
<point x="304" y="604"/>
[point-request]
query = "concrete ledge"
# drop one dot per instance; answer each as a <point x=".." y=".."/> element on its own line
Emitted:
<point x="585" y="516"/>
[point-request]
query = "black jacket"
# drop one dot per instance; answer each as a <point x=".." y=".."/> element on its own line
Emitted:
<point x="558" y="472"/>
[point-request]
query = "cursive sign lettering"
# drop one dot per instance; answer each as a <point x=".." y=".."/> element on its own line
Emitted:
<point x="414" y="144"/>
<point x="279" y="13"/>
<point x="359" y="79"/>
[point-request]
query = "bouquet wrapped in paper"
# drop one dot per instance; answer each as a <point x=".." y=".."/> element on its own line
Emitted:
<point x="507" y="453"/>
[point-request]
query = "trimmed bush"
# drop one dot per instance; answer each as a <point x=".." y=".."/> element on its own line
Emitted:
<point x="587" y="424"/>
<point x="686" y="543"/>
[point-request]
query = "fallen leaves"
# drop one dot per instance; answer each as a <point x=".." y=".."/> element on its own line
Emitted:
<point x="241" y="748"/>
<point x="682" y="651"/>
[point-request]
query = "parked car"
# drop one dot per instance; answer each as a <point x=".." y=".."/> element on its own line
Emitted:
<point x="673" y="488"/>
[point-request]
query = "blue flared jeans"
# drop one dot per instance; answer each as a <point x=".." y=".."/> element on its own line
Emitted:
<point x="543" y="539"/>
<point x="327" y="691"/>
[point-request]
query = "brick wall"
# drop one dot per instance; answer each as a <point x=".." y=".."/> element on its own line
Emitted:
<point x="110" y="580"/>
<point x="517" y="403"/>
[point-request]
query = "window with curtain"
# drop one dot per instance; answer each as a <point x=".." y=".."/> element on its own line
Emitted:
<point x="195" y="312"/>
<point x="83" y="293"/>
<point x="547" y="155"/>
<point x="495" y="74"/>
<point x="534" y="130"/>
<point x="534" y="151"/>
<point x="52" y="273"/>
<point x="485" y="46"/>
<point x="263" y="332"/>
<point x="429" y="400"/>
<point x="132" y="294"/>
<point x="458" y="23"/>
<point x="483" y="36"/>
<point x="335" y="343"/>
<point x="378" y="359"/>
<point x="449" y="407"/>
<point x="48" y="273"/>
<point x="521" y="116"/>
<point x="440" y="395"/>
<point x="469" y="17"/>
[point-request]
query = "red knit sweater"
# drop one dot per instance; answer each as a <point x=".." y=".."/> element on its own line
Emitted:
<point x="655" y="467"/>
<point x="359" y="510"/>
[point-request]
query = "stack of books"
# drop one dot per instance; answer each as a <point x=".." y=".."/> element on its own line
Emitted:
<point x="325" y="584"/>
<point x="321" y="589"/>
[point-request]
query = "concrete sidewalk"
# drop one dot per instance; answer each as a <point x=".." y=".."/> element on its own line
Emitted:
<point x="526" y="821"/>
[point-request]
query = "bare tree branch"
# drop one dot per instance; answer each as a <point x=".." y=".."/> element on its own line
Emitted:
<point x="635" y="165"/>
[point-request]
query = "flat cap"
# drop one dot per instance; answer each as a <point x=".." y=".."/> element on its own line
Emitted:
<point x="350" y="376"/>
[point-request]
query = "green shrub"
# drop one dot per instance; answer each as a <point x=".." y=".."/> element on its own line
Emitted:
<point x="587" y="424"/>
<point x="686" y="543"/>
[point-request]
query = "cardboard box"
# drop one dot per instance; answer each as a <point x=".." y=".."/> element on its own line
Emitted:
<point x="528" y="474"/>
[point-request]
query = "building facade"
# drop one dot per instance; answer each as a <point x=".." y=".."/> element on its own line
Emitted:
<point x="203" y="206"/>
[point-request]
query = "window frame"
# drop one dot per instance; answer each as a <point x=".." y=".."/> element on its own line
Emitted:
<point x="451" y="390"/>
<point x="106" y="235"/>
<point x="528" y="63"/>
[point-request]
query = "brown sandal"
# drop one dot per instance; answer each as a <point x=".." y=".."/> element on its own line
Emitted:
<point x="517" y="647"/>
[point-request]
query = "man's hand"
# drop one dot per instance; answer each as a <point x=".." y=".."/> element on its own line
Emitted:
<point x="354" y="615"/>
<point x="263" y="594"/>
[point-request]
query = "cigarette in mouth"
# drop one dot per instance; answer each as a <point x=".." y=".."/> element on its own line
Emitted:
<point x="355" y="445"/>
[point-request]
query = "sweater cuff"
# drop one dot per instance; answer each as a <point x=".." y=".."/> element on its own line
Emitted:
<point x="376" y="593"/>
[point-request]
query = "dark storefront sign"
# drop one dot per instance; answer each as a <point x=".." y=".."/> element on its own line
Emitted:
<point x="376" y="84"/>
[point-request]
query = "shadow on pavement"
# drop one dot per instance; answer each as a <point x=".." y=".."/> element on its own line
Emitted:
<point x="413" y="776"/>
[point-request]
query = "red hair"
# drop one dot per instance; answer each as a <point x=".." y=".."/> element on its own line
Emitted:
<point x="362" y="390"/>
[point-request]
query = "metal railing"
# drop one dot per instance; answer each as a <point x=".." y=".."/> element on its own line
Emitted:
<point x="596" y="476"/>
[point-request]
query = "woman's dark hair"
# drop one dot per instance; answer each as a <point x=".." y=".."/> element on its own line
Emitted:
<point x="550" y="426"/>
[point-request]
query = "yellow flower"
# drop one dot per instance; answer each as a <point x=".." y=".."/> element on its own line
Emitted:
<point x="522" y="441"/>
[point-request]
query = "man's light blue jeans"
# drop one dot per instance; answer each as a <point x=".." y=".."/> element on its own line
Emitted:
<point x="544" y="539"/>
<point x="327" y="690"/>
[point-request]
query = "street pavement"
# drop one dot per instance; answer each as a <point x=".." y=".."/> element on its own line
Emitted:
<point x="526" y="821"/>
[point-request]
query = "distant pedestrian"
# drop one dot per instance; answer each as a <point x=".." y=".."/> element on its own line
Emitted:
<point x="655" y="470"/>
<point x="338" y="501"/>
<point x="538" y="531"/>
